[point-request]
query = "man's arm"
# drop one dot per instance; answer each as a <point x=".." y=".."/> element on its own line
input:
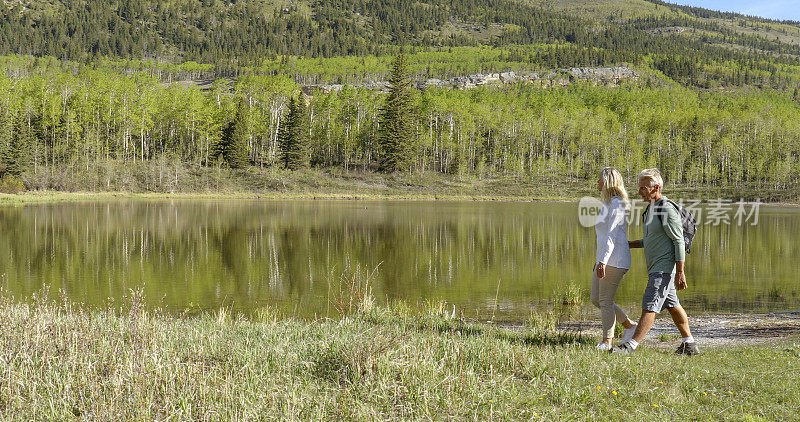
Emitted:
<point x="635" y="243"/>
<point x="671" y="222"/>
<point x="674" y="230"/>
<point x="680" y="276"/>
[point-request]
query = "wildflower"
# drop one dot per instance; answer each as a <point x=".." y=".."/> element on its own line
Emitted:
<point x="614" y="393"/>
<point x="599" y="387"/>
<point x="655" y="405"/>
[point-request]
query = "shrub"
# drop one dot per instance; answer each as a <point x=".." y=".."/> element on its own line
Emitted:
<point x="11" y="184"/>
<point x="569" y="294"/>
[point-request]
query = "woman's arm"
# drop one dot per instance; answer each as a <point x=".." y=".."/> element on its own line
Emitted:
<point x="615" y="221"/>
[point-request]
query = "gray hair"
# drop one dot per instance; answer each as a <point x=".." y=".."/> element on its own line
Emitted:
<point x="653" y="175"/>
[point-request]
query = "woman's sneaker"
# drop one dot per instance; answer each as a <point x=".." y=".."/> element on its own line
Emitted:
<point x="603" y="347"/>
<point x="689" y="349"/>
<point x="627" y="333"/>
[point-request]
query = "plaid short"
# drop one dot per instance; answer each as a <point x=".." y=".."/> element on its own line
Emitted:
<point x="660" y="292"/>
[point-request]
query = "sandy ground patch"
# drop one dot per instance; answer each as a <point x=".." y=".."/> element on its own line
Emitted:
<point x="722" y="330"/>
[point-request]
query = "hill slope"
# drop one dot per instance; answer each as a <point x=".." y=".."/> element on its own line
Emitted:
<point x="713" y="99"/>
<point x="679" y="40"/>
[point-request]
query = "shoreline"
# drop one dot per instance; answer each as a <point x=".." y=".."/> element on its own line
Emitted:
<point x="712" y="330"/>
<point x="41" y="197"/>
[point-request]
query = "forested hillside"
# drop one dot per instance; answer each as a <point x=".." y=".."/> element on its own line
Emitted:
<point x="93" y="84"/>
<point x="703" y="49"/>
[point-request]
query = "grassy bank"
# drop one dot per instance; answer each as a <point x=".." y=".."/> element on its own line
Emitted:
<point x="60" y="362"/>
<point x="202" y="182"/>
<point x="142" y="181"/>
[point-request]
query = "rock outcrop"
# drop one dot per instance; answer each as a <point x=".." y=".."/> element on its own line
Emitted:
<point x="608" y="76"/>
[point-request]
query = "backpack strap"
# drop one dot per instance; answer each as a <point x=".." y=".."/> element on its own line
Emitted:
<point x="657" y="207"/>
<point x="660" y="205"/>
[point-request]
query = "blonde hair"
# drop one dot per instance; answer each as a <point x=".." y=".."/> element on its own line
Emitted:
<point x="653" y="175"/>
<point x="613" y="185"/>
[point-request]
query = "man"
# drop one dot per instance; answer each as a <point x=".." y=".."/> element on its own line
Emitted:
<point x="665" y="255"/>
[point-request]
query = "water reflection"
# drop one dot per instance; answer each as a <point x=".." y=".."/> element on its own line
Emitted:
<point x="247" y="254"/>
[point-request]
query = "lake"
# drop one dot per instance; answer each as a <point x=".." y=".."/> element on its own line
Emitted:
<point x="484" y="258"/>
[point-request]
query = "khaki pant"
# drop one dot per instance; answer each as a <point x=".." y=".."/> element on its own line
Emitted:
<point x="603" y="292"/>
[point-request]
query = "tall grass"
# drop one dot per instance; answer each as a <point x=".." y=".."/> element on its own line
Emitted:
<point x="568" y="294"/>
<point x="61" y="362"/>
<point x="351" y="290"/>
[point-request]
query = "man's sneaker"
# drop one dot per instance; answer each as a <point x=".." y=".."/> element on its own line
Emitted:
<point x="688" y="349"/>
<point x="603" y="347"/>
<point x="623" y="349"/>
<point x="627" y="334"/>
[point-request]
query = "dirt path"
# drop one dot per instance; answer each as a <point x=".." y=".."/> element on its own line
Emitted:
<point x="714" y="330"/>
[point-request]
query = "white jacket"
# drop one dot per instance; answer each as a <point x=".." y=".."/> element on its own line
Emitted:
<point x="612" y="235"/>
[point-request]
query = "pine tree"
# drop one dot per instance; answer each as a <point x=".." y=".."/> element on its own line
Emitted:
<point x="6" y="131"/>
<point x="15" y="156"/>
<point x="232" y="148"/>
<point x="396" y="137"/>
<point x="293" y="136"/>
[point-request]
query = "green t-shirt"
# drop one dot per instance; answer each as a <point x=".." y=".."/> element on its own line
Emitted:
<point x="663" y="237"/>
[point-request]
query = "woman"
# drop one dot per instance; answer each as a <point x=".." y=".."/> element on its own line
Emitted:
<point x="613" y="258"/>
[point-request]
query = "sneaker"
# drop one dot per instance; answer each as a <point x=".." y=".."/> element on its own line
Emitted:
<point x="627" y="333"/>
<point x="604" y="347"/>
<point x="623" y="349"/>
<point x="688" y="349"/>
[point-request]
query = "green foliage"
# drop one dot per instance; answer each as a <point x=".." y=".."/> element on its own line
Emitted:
<point x="293" y="136"/>
<point x="568" y="294"/>
<point x="11" y="184"/>
<point x="232" y="148"/>
<point x="665" y="337"/>
<point x="709" y="49"/>
<point x="396" y="136"/>
<point x="15" y="155"/>
<point x="65" y="122"/>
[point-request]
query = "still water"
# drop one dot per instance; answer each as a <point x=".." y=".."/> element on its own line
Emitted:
<point x="484" y="258"/>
